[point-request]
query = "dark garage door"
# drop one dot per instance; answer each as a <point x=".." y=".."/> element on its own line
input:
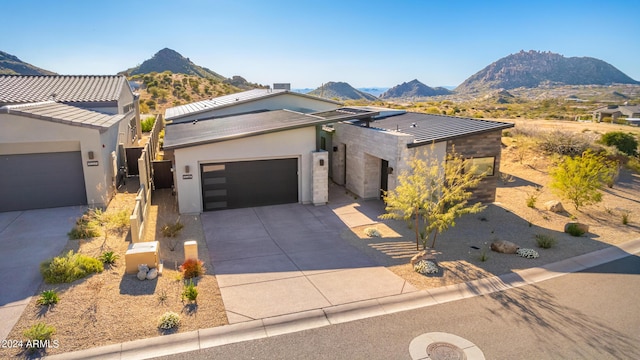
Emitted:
<point x="249" y="183"/>
<point x="36" y="181"/>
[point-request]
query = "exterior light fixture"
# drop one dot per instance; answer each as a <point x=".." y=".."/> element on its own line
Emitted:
<point x="186" y="169"/>
<point x="90" y="155"/>
<point x="321" y="162"/>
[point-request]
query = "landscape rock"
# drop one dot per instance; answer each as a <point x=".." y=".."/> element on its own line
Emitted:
<point x="142" y="275"/>
<point x="504" y="247"/>
<point x="422" y="255"/>
<point x="584" y="228"/>
<point x="152" y="274"/>
<point x="554" y="206"/>
<point x="143" y="267"/>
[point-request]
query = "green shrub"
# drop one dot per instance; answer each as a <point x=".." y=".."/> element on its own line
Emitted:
<point x="169" y="320"/>
<point x="147" y="124"/>
<point x="190" y="292"/>
<point x="633" y="164"/>
<point x="574" y="230"/>
<point x="625" y="217"/>
<point x="192" y="268"/>
<point x="109" y="257"/>
<point x="87" y="226"/>
<point x="48" y="298"/>
<point x="531" y="201"/>
<point x="118" y="221"/>
<point x="38" y="334"/>
<point x="545" y="241"/>
<point x="624" y="142"/>
<point x="171" y="230"/>
<point x="69" y="268"/>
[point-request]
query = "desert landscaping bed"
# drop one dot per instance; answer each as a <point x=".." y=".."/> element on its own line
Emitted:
<point x="111" y="307"/>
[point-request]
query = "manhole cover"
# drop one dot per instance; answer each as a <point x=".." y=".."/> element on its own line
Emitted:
<point x="445" y="351"/>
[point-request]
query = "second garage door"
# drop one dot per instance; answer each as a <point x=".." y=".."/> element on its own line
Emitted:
<point x="242" y="184"/>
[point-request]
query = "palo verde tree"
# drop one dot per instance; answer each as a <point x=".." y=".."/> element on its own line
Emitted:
<point x="580" y="178"/>
<point x="432" y="194"/>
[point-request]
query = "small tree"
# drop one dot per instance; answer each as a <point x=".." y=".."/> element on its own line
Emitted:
<point x="580" y="178"/>
<point x="435" y="192"/>
<point x="625" y="142"/>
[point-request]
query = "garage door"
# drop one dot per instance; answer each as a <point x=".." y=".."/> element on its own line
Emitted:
<point x="36" y="181"/>
<point x="241" y="184"/>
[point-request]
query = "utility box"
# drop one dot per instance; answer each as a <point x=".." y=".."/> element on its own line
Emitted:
<point x="190" y="250"/>
<point x="141" y="253"/>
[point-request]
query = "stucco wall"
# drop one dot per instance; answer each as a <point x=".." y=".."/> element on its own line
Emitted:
<point x="24" y="135"/>
<point x="279" y="102"/>
<point x="299" y="143"/>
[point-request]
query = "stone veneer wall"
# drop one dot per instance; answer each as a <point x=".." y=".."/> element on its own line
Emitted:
<point x="476" y="146"/>
<point x="320" y="177"/>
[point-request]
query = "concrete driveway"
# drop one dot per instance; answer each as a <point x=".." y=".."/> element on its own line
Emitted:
<point x="26" y="239"/>
<point x="286" y="259"/>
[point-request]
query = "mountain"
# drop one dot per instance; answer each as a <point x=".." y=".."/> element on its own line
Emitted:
<point x="534" y="68"/>
<point x="413" y="88"/>
<point x="341" y="91"/>
<point x="170" y="60"/>
<point x="11" y="65"/>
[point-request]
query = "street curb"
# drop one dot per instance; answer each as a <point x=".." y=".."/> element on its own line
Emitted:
<point x="289" y="323"/>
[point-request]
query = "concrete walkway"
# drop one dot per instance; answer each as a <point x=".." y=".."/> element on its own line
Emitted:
<point x="276" y="260"/>
<point x="26" y="239"/>
<point x="283" y="324"/>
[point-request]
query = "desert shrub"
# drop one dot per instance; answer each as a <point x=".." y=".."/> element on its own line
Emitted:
<point x="564" y="143"/>
<point x="633" y="164"/>
<point x="574" y="230"/>
<point x="117" y="221"/>
<point x="147" y="123"/>
<point x="69" y="268"/>
<point x="171" y="230"/>
<point x="190" y="292"/>
<point x="625" y="217"/>
<point x="372" y="232"/>
<point x="169" y="320"/>
<point x="531" y="200"/>
<point x="425" y="267"/>
<point x="48" y="298"/>
<point x="38" y="334"/>
<point x="144" y="108"/>
<point x="109" y="257"/>
<point x="624" y="142"/>
<point x="87" y="226"/>
<point x="545" y="241"/>
<point x="192" y="268"/>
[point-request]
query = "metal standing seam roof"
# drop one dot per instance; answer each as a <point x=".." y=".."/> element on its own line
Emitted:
<point x="239" y="126"/>
<point x="64" y="114"/>
<point x="61" y="88"/>
<point x="230" y="100"/>
<point x="428" y="128"/>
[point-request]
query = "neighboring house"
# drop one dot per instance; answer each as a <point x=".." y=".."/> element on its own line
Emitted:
<point x="616" y="111"/>
<point x="247" y="102"/>
<point x="368" y="155"/>
<point x="59" y="138"/>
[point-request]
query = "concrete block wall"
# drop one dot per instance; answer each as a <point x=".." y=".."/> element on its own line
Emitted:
<point x="320" y="177"/>
<point x="476" y="146"/>
<point x="362" y="149"/>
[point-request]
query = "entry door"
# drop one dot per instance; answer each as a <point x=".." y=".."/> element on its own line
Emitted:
<point x="384" y="177"/>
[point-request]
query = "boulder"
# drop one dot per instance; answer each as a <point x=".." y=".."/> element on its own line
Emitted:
<point x="142" y="275"/>
<point x="152" y="274"/>
<point x="143" y="267"/>
<point x="504" y="247"/>
<point x="584" y="228"/>
<point x="554" y="206"/>
<point x="422" y="255"/>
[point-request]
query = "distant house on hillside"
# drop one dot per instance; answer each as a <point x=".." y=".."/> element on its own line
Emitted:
<point x="616" y="111"/>
<point x="59" y="139"/>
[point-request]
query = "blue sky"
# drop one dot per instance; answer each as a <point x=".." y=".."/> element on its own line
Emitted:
<point x="307" y="43"/>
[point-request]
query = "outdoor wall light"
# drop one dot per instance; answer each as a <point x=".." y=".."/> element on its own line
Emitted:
<point x="321" y="162"/>
<point x="186" y="169"/>
<point x="390" y="170"/>
<point x="90" y="155"/>
<point x="335" y="149"/>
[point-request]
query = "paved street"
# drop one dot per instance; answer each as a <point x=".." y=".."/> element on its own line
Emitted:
<point x="593" y="314"/>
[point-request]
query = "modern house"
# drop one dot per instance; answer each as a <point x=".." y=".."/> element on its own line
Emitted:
<point x="247" y="102"/>
<point x="616" y="111"/>
<point x="59" y="139"/>
<point x="275" y="156"/>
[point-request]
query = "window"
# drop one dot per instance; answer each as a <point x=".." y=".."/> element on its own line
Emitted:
<point x="484" y="165"/>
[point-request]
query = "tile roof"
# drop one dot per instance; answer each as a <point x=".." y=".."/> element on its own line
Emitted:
<point x="230" y="100"/>
<point x="428" y="128"/>
<point x="64" y="114"/>
<point x="16" y="89"/>
<point x="193" y="133"/>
